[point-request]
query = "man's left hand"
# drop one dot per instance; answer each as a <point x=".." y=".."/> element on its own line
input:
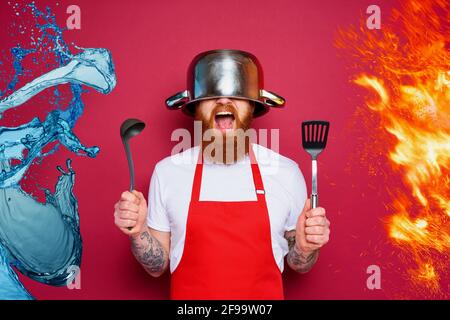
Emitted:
<point x="313" y="229"/>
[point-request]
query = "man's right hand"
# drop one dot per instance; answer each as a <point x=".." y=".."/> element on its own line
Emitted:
<point x="130" y="212"/>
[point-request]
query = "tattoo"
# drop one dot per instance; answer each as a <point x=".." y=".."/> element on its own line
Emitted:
<point x="291" y="241"/>
<point x="299" y="261"/>
<point x="149" y="252"/>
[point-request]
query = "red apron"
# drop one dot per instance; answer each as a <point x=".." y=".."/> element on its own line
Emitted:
<point x="228" y="248"/>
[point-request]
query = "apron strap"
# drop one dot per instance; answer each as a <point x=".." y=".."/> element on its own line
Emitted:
<point x="197" y="180"/>
<point x="257" y="180"/>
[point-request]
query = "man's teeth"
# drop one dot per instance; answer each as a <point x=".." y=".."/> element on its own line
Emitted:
<point x="224" y="113"/>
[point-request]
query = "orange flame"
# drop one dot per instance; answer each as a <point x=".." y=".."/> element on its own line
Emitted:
<point x="409" y="67"/>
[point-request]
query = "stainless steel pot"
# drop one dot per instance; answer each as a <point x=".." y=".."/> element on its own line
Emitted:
<point x="225" y="73"/>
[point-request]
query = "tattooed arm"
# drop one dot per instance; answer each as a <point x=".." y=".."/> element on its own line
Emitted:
<point x="312" y="232"/>
<point x="298" y="260"/>
<point x="151" y="247"/>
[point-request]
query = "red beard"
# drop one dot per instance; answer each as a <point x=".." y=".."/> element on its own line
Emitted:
<point x="225" y="146"/>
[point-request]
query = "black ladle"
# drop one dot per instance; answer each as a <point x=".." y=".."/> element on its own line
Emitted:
<point x="129" y="129"/>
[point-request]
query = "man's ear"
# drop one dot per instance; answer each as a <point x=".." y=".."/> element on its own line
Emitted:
<point x="195" y="109"/>
<point x="253" y="106"/>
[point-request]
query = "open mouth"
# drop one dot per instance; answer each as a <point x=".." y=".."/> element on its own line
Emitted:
<point x="224" y="120"/>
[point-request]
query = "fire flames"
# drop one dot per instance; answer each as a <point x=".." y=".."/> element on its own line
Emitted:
<point x="407" y="70"/>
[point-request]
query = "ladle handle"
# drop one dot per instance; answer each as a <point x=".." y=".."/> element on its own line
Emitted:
<point x="130" y="166"/>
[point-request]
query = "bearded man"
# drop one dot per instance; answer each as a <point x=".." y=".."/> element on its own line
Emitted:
<point x="223" y="215"/>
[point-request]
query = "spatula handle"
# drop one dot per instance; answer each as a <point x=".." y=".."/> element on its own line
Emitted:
<point x="314" y="196"/>
<point x="314" y="200"/>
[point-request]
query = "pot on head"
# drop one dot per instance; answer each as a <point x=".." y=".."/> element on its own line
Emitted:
<point x="225" y="73"/>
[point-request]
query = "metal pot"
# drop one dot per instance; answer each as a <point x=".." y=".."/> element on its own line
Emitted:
<point x="225" y="73"/>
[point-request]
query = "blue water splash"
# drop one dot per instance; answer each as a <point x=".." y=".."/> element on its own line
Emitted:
<point x="42" y="240"/>
<point x="92" y="67"/>
<point x="11" y="288"/>
<point x="19" y="54"/>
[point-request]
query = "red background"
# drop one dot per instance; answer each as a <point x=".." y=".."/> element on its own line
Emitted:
<point x="152" y="43"/>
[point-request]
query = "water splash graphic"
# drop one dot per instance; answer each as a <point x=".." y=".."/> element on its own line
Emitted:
<point x="42" y="240"/>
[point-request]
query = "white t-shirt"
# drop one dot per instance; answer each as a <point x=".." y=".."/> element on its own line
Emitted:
<point x="171" y="187"/>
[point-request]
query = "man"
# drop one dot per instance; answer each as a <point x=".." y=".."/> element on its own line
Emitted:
<point x="223" y="215"/>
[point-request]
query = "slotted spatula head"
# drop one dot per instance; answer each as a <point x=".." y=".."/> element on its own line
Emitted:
<point x="314" y="136"/>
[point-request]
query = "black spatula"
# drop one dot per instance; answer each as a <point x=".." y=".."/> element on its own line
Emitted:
<point x="314" y="140"/>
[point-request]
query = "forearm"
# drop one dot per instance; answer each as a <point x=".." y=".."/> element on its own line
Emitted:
<point x="299" y="261"/>
<point x="149" y="252"/>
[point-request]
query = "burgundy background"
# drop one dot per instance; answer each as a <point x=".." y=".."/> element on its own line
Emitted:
<point x="152" y="43"/>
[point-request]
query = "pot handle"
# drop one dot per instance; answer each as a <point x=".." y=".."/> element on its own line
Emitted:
<point x="177" y="100"/>
<point x="272" y="99"/>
